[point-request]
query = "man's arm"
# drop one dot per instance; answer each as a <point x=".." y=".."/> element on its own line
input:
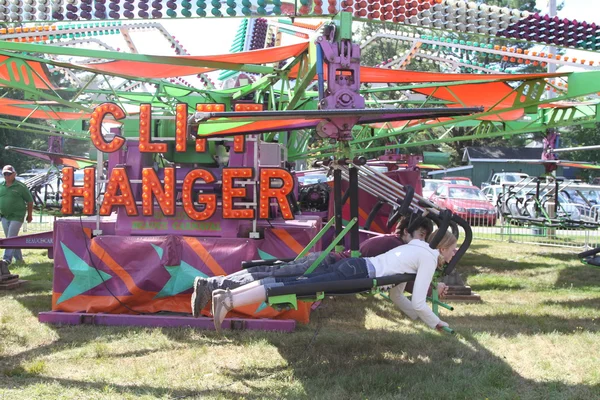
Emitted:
<point x="30" y="211"/>
<point x="29" y="200"/>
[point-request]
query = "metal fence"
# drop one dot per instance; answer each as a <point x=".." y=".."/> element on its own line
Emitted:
<point x="532" y="211"/>
<point x="500" y="229"/>
<point x="39" y="224"/>
<point x="37" y="227"/>
<point x="507" y="230"/>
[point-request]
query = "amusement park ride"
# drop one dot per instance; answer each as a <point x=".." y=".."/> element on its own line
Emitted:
<point x="191" y="180"/>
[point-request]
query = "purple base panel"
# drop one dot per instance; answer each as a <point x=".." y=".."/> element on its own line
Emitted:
<point x="37" y="241"/>
<point x="165" y="321"/>
<point x="42" y="240"/>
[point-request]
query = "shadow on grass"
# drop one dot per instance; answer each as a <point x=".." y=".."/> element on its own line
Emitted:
<point x="38" y="277"/>
<point x="593" y="304"/>
<point x="478" y="246"/>
<point x="497" y="286"/>
<point x="334" y="356"/>
<point x="471" y="261"/>
<point x="35" y="303"/>
<point x="566" y="257"/>
<point x="386" y="364"/>
<point x="571" y="272"/>
<point x="25" y="379"/>
<point x="510" y="324"/>
<point x="580" y="276"/>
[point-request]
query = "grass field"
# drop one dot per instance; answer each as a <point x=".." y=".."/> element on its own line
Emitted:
<point x="535" y="336"/>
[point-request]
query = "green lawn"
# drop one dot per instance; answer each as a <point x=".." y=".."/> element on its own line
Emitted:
<point x="535" y="336"/>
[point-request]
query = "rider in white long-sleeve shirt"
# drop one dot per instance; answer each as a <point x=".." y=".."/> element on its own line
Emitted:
<point x="415" y="257"/>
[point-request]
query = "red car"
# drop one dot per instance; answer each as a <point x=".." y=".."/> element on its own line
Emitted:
<point x="458" y="180"/>
<point x="468" y="202"/>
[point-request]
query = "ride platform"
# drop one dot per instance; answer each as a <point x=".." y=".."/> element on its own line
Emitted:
<point x="164" y="320"/>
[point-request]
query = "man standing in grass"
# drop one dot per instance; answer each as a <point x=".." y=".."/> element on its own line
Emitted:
<point x="15" y="202"/>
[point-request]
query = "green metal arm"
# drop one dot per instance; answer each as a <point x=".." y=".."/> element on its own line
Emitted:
<point x="316" y="238"/>
<point x="332" y="245"/>
<point x="588" y="264"/>
<point x="449" y="330"/>
<point x="441" y="304"/>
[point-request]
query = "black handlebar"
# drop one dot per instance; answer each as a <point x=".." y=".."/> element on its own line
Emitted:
<point x="404" y="207"/>
<point x="339" y="287"/>
<point x="373" y="213"/>
<point x="463" y="247"/>
<point x="443" y="224"/>
<point x="588" y="253"/>
<point x="257" y="263"/>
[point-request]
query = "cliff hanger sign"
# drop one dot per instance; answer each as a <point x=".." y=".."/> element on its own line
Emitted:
<point x="273" y="183"/>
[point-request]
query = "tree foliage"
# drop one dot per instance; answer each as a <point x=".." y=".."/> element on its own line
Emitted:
<point x="383" y="50"/>
<point x="31" y="140"/>
<point x="27" y="140"/>
<point x="579" y="136"/>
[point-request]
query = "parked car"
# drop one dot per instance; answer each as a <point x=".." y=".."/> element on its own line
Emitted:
<point x="379" y="168"/>
<point x="458" y="180"/>
<point x="32" y="173"/>
<point x="566" y="209"/>
<point x="581" y="196"/>
<point x="592" y="195"/>
<point x="501" y="178"/>
<point x="492" y="193"/>
<point x="525" y="204"/>
<point x="310" y="179"/>
<point x="468" y="202"/>
<point x="17" y="178"/>
<point x="430" y="186"/>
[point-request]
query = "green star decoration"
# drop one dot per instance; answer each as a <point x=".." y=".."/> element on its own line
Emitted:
<point x="85" y="277"/>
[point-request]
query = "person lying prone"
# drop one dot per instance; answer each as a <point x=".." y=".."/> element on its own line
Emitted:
<point x="416" y="257"/>
<point x="404" y="233"/>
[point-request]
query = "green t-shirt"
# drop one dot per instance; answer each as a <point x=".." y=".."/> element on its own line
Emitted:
<point x="13" y="201"/>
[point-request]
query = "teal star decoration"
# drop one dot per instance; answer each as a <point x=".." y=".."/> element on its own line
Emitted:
<point x="182" y="277"/>
<point x="85" y="277"/>
<point x="158" y="250"/>
<point x="265" y="256"/>
<point x="261" y="307"/>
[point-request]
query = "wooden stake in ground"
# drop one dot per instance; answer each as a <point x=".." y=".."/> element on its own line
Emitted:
<point x="457" y="290"/>
<point x="8" y="281"/>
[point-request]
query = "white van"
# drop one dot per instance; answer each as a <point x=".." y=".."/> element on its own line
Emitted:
<point x="431" y="185"/>
<point x="500" y="178"/>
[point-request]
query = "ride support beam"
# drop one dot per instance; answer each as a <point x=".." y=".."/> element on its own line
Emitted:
<point x="337" y="204"/>
<point x="353" y="189"/>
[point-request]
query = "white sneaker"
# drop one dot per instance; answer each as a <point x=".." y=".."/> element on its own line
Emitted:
<point x="222" y="303"/>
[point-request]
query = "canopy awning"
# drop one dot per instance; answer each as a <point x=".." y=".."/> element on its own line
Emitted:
<point x="153" y="70"/>
<point x="31" y="109"/>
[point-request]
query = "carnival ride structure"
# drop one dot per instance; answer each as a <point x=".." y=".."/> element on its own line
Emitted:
<point x="170" y="121"/>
